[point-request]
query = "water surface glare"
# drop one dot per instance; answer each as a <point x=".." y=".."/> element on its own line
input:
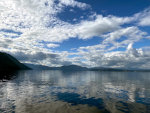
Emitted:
<point x="76" y="92"/>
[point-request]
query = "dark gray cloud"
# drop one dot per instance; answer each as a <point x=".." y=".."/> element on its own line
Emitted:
<point x="41" y="58"/>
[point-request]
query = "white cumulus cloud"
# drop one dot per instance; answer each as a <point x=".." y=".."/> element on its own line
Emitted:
<point x="29" y="29"/>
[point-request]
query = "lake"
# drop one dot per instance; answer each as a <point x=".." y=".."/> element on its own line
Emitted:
<point x="75" y="92"/>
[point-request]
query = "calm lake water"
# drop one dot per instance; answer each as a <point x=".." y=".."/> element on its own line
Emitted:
<point x="75" y="92"/>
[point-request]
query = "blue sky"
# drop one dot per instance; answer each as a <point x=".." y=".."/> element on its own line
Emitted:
<point x="105" y="7"/>
<point x="118" y="7"/>
<point x="91" y="33"/>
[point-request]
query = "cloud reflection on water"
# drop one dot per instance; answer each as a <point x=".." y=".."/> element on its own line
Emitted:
<point x="118" y="91"/>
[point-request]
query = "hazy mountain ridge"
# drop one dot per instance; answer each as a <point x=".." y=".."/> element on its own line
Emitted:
<point x="8" y="63"/>
<point x="65" y="68"/>
<point x="79" y="68"/>
<point x="116" y="69"/>
<point x="74" y="67"/>
<point x="40" y="67"/>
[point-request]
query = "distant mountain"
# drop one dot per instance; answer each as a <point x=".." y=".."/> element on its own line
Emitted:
<point x="116" y="69"/>
<point x="78" y="68"/>
<point x="73" y="68"/>
<point x="40" y="67"/>
<point x="8" y="63"/>
<point x="64" y="68"/>
<point x="105" y="69"/>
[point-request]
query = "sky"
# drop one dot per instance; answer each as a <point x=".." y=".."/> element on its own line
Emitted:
<point x="91" y="33"/>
